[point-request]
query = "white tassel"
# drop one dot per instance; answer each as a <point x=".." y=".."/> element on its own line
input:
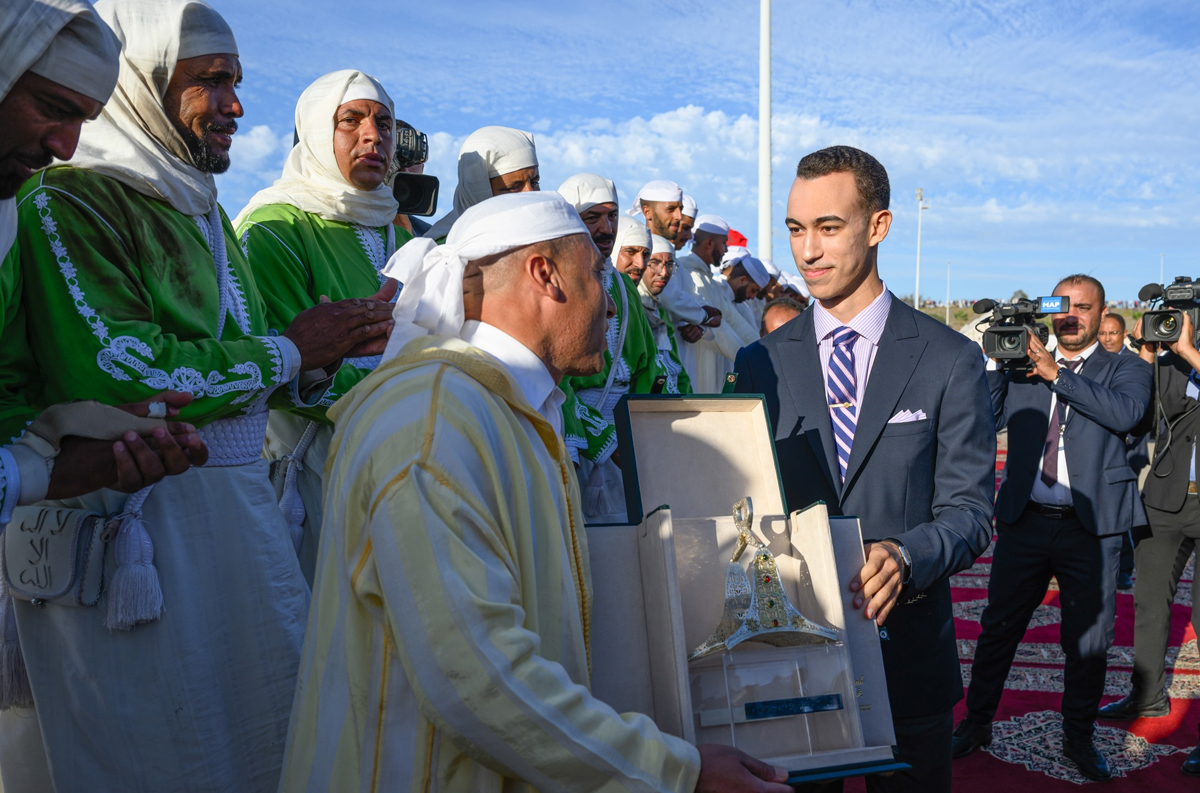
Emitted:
<point x="14" y="678"/>
<point x="134" y="594"/>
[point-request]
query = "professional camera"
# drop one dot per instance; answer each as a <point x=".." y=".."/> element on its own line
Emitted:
<point x="1006" y="340"/>
<point x="417" y="193"/>
<point x="1165" y="323"/>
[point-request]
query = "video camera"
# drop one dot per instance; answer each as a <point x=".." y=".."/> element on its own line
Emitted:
<point x="417" y="193"/>
<point x="1006" y="340"/>
<point x="1165" y="323"/>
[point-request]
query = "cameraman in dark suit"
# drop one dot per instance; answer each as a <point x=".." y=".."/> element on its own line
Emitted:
<point x="883" y="413"/>
<point x="1173" y="508"/>
<point x="1067" y="497"/>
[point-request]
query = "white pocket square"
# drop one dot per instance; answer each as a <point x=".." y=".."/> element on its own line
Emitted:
<point x="905" y="416"/>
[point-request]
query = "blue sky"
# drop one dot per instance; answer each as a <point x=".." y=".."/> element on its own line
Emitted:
<point x="1049" y="137"/>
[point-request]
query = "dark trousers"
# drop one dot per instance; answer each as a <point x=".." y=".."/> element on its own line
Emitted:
<point x="1028" y="552"/>
<point x="1161" y="558"/>
<point x="923" y="743"/>
<point x="1126" y="554"/>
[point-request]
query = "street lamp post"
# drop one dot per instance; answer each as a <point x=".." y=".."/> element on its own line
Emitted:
<point x="921" y="207"/>
<point x="947" y="294"/>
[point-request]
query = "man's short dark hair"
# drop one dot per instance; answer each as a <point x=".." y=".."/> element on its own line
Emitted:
<point x="1120" y="319"/>
<point x="870" y="177"/>
<point x="779" y="302"/>
<point x="1078" y="279"/>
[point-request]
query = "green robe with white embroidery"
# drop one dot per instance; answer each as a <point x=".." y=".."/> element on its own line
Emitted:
<point x="586" y="410"/>
<point x="297" y="257"/>
<point x="122" y="297"/>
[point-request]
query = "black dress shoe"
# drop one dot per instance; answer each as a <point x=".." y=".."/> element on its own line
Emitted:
<point x="1087" y="758"/>
<point x="1128" y="709"/>
<point x="1191" y="766"/>
<point x="969" y="736"/>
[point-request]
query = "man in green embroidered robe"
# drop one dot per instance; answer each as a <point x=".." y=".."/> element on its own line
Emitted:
<point x="660" y="266"/>
<point x="629" y="362"/>
<point x="324" y="229"/>
<point x="182" y="678"/>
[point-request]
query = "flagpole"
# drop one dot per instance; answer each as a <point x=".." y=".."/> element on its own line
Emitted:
<point x="764" y="131"/>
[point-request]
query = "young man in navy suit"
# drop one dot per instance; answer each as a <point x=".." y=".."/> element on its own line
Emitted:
<point x="883" y="413"/>
<point x="1067" y="498"/>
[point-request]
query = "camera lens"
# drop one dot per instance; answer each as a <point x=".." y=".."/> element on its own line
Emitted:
<point x="1010" y="342"/>
<point x="1167" y="325"/>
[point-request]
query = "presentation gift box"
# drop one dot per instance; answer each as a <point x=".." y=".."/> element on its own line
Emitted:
<point x="732" y="628"/>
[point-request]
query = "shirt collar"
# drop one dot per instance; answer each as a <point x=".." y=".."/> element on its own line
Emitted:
<point x="1083" y="356"/>
<point x="868" y="323"/>
<point x="531" y="375"/>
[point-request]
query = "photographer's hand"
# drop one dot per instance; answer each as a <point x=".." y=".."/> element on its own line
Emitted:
<point x="1149" y="349"/>
<point x="1044" y="365"/>
<point x="1185" y="345"/>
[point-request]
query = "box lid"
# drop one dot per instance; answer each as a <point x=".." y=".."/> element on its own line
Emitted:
<point x="698" y="454"/>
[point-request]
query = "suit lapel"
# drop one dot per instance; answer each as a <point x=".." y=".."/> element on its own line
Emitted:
<point x="1095" y="368"/>
<point x="806" y="384"/>
<point x="900" y="349"/>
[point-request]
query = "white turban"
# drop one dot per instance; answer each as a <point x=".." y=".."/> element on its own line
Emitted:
<point x="431" y="302"/>
<point x="585" y="190"/>
<point x="753" y="267"/>
<point x="732" y="254"/>
<point x="796" y="282"/>
<point x="771" y="269"/>
<point x="711" y="224"/>
<point x="312" y="180"/>
<point x="485" y="154"/>
<point x="661" y="245"/>
<point x="658" y="190"/>
<point x="64" y="41"/>
<point x="133" y="141"/>
<point x="630" y="234"/>
<point x="689" y="206"/>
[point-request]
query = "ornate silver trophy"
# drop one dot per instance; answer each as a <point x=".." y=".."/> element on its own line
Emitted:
<point x="760" y="611"/>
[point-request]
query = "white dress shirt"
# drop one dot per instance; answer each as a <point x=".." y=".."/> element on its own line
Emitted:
<point x="533" y="379"/>
<point x="1060" y="494"/>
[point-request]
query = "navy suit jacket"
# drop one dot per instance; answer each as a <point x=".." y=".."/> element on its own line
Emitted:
<point x="928" y="484"/>
<point x="1107" y="399"/>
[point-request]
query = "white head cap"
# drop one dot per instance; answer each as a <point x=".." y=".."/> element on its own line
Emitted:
<point x="732" y="254"/>
<point x="689" y="206"/>
<point x="711" y="224"/>
<point x="661" y="245"/>
<point x="431" y="302"/>
<point x="771" y="269"/>
<point x="84" y="54"/>
<point x="753" y="267"/>
<point x="658" y="190"/>
<point x="585" y="190"/>
<point x="630" y="234"/>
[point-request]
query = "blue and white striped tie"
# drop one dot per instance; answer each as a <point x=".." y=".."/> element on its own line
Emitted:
<point x="842" y="393"/>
